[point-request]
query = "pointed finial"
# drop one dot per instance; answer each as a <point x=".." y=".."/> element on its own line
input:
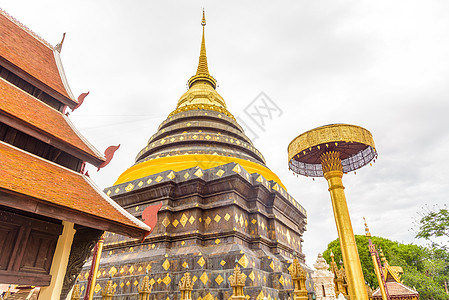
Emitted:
<point x="202" y="72"/>
<point x="203" y="21"/>
<point x="367" y="233"/>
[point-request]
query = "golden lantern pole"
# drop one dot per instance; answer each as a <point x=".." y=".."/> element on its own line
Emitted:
<point x="333" y="172"/>
<point x="329" y="151"/>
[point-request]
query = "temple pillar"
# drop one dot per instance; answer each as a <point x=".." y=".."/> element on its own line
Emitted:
<point x="59" y="263"/>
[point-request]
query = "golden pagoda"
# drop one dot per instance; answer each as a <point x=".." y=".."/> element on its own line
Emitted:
<point x="219" y="203"/>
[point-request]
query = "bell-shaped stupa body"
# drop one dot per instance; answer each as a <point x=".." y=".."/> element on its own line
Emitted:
<point x="220" y="203"/>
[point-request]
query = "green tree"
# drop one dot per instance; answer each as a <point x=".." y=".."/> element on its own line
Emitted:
<point x="425" y="268"/>
<point x="434" y="223"/>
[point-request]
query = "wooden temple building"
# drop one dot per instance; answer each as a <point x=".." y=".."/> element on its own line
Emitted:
<point x="221" y="206"/>
<point x="51" y="214"/>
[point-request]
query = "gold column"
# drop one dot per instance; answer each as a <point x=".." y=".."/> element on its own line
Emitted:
<point x="186" y="287"/>
<point x="372" y="250"/>
<point x="96" y="261"/>
<point x="76" y="293"/>
<point x="299" y="280"/>
<point x="108" y="291"/>
<point x="237" y="282"/>
<point x="145" y="289"/>
<point x="333" y="172"/>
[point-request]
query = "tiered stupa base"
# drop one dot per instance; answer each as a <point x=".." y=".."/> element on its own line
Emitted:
<point x="209" y="221"/>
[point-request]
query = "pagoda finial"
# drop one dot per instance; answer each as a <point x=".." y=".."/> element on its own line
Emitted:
<point x="367" y="233"/>
<point x="202" y="72"/>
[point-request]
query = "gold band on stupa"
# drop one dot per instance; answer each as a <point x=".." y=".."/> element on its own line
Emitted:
<point x="355" y="144"/>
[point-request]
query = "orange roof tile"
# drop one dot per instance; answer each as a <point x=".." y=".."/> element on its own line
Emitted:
<point x="24" y="49"/>
<point x="23" y="106"/>
<point x="395" y="289"/>
<point x="33" y="176"/>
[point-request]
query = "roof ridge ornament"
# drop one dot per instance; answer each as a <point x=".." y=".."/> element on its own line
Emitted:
<point x="58" y="46"/>
<point x="202" y="72"/>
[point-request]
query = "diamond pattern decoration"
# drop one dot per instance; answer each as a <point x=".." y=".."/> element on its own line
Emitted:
<point x="166" y="279"/>
<point x="152" y="281"/>
<point x="117" y="190"/>
<point x="166" y="222"/>
<point x="135" y="282"/>
<point x="140" y="269"/>
<point x="220" y="173"/>
<point x="260" y="179"/>
<point x="241" y="220"/>
<point x="149" y="181"/>
<point x="129" y="187"/>
<point x="122" y="270"/>
<point x="184" y="264"/>
<point x="186" y="175"/>
<point x="272" y="265"/>
<point x="237" y="169"/>
<point x="158" y="179"/>
<point x="254" y="221"/>
<point x="86" y="275"/>
<point x="208" y="220"/>
<point x="194" y="279"/>
<point x="243" y="261"/>
<point x="183" y="243"/>
<point x="97" y="288"/>
<point x="140" y="183"/>
<point x="201" y="261"/>
<point x="159" y="281"/>
<point x="128" y="283"/>
<point x="166" y="264"/>
<point x="175" y="223"/>
<point x="198" y="173"/>
<point x="217" y="218"/>
<point x="191" y="219"/>
<point x="222" y="262"/>
<point x="183" y="220"/>
<point x="276" y="187"/>
<point x="227" y="217"/>
<point x="252" y="276"/>
<point x="217" y="241"/>
<point x="131" y="270"/>
<point x="219" y="279"/>
<point x="109" y="192"/>
<point x="204" y="278"/>
<point x="281" y="280"/>
<point x="171" y="175"/>
<point x="122" y="284"/>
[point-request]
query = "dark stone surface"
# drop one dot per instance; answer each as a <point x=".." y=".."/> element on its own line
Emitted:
<point x="208" y="220"/>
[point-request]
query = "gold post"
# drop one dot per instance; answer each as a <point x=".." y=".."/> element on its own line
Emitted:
<point x="145" y="289"/>
<point x="333" y="172"/>
<point x="299" y="280"/>
<point x="237" y="282"/>
<point x="108" y="291"/>
<point x="76" y="293"/>
<point x="372" y="251"/>
<point x="97" y="264"/>
<point x="186" y="287"/>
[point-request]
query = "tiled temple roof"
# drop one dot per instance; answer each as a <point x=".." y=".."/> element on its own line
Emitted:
<point x="42" y="117"/>
<point x="59" y="187"/>
<point x="31" y="54"/>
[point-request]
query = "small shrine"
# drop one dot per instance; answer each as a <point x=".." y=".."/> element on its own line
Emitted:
<point x="323" y="280"/>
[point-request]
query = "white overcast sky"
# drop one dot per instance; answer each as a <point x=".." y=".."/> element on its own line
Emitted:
<point x="383" y="65"/>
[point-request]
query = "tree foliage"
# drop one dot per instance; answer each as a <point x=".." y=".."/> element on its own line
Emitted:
<point x="425" y="268"/>
<point x="434" y="223"/>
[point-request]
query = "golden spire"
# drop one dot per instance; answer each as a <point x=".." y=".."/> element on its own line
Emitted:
<point x="367" y="233"/>
<point x="202" y="72"/>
